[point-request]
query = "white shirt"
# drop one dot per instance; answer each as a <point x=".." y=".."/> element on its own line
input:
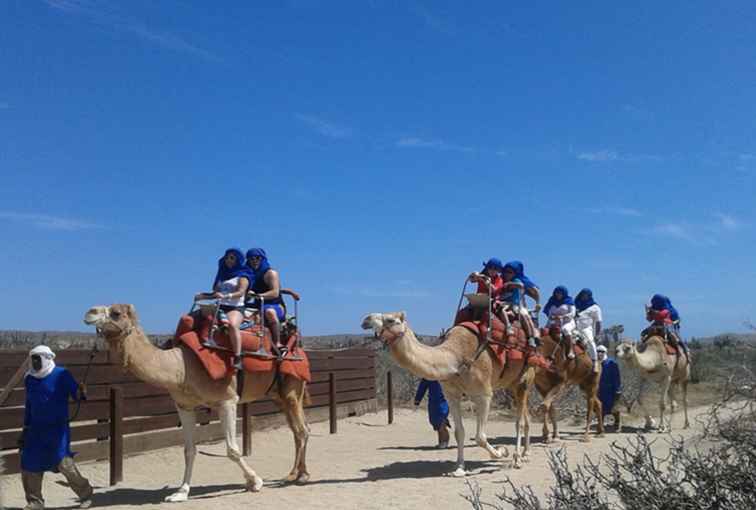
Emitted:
<point x="227" y="287"/>
<point x="590" y="316"/>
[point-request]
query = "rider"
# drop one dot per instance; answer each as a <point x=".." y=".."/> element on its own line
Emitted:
<point x="267" y="287"/>
<point x="512" y="294"/>
<point x="229" y="288"/>
<point x="560" y="309"/>
<point x="531" y="289"/>
<point x="660" y="310"/>
<point x="589" y="323"/>
<point x="489" y="275"/>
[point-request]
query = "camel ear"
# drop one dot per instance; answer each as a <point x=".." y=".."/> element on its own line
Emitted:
<point x="403" y="316"/>
<point x="133" y="314"/>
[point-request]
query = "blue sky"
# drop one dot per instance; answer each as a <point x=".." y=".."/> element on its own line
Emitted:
<point x="379" y="151"/>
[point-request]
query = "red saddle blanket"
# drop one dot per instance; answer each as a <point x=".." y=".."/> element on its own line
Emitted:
<point x="661" y="332"/>
<point x="556" y="334"/>
<point x="218" y="363"/>
<point x="505" y="347"/>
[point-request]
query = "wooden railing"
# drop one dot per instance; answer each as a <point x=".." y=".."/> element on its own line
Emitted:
<point x="124" y="416"/>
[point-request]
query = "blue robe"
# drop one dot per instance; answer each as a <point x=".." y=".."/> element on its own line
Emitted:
<point x="609" y="385"/>
<point x="438" y="407"/>
<point x="47" y="435"/>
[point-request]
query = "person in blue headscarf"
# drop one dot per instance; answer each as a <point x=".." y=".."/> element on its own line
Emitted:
<point x="46" y="439"/>
<point x="230" y="286"/>
<point x="489" y="281"/>
<point x="531" y="290"/>
<point x="588" y="321"/>
<point x="610" y="385"/>
<point x="266" y="291"/>
<point x="438" y="409"/>
<point x="512" y="296"/>
<point x="560" y="309"/>
<point x="661" y="310"/>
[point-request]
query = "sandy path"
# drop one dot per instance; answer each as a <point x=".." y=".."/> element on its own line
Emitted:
<point x="367" y="465"/>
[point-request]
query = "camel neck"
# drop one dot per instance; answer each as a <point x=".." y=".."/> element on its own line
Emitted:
<point x="434" y="363"/>
<point x="148" y="363"/>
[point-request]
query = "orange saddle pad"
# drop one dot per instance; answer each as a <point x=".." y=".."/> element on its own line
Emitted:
<point x="218" y="363"/>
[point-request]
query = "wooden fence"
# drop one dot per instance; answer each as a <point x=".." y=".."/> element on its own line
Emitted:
<point x="124" y="416"/>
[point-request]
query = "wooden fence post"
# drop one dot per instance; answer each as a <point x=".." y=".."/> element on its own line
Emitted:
<point x="390" y="397"/>
<point x="246" y="431"/>
<point x="332" y="401"/>
<point x="116" y="435"/>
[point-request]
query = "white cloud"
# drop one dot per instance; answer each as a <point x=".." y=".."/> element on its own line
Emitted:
<point x="106" y="15"/>
<point x="621" y="211"/>
<point x="324" y="127"/>
<point x="48" y="222"/>
<point x="394" y="293"/>
<point x="728" y="222"/>
<point x="598" y="156"/>
<point x="676" y="230"/>
<point x="420" y="143"/>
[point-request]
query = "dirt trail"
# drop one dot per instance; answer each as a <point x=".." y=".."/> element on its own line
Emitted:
<point x="367" y="465"/>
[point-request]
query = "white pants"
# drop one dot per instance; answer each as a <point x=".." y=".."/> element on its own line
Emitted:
<point x="586" y="334"/>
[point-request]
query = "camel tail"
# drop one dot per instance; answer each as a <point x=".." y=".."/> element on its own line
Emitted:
<point x="307" y="399"/>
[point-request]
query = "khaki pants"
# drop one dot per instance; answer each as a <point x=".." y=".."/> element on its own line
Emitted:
<point x="33" y="484"/>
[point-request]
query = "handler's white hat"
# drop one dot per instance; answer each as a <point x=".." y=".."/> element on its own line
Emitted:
<point x="601" y="348"/>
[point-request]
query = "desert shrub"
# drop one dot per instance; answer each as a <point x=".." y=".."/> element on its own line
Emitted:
<point x="717" y="472"/>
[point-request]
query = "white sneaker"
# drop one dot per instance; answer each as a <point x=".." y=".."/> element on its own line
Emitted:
<point x="442" y="445"/>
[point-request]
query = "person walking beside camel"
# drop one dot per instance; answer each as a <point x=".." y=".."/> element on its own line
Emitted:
<point x="438" y="409"/>
<point x="610" y="385"/>
<point x="46" y="439"/>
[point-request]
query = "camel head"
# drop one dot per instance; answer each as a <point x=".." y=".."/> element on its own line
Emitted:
<point x="386" y="326"/>
<point x="625" y="350"/>
<point x="114" y="322"/>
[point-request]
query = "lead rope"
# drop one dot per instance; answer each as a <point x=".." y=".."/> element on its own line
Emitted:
<point x="92" y="355"/>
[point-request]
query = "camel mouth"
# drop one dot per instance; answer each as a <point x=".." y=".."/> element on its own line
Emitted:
<point x="95" y="315"/>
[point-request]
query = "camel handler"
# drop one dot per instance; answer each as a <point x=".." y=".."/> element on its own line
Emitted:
<point x="438" y="409"/>
<point x="610" y="385"/>
<point x="46" y="439"/>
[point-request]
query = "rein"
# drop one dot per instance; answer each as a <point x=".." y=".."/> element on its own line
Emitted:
<point x="82" y="395"/>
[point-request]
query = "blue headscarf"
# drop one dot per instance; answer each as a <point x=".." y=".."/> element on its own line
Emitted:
<point x="519" y="270"/>
<point x="493" y="262"/>
<point x="660" y="302"/>
<point x="584" y="300"/>
<point x="226" y="273"/>
<point x="264" y="264"/>
<point x="553" y="301"/>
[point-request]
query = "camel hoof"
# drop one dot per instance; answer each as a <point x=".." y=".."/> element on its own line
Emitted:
<point x="303" y="478"/>
<point x="177" y="497"/>
<point x="255" y="485"/>
<point x="600" y="434"/>
<point x="496" y="454"/>
<point x="291" y="477"/>
<point x="687" y="425"/>
<point x="517" y="462"/>
<point x="547" y="440"/>
<point x="459" y="473"/>
<point x="585" y="439"/>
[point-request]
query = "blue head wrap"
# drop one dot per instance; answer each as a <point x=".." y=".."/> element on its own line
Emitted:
<point x="584" y="299"/>
<point x="226" y="273"/>
<point x="493" y="262"/>
<point x="264" y="264"/>
<point x="553" y="301"/>
<point x="662" y="302"/>
<point x="519" y="269"/>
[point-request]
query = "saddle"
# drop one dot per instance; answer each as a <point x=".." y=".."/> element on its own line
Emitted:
<point x="505" y="345"/>
<point x="556" y="333"/>
<point x="192" y="329"/>
<point x="664" y="331"/>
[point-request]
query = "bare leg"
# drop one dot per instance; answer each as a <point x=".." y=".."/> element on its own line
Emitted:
<point x="455" y="407"/>
<point x="482" y="408"/>
<point x="271" y="320"/>
<point x="188" y="423"/>
<point x="227" y="415"/>
<point x="235" y="319"/>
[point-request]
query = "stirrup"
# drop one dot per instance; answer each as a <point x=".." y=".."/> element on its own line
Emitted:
<point x="210" y="343"/>
<point x="260" y="353"/>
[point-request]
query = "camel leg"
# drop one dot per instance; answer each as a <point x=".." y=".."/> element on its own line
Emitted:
<point x="663" y="406"/>
<point x="684" y="385"/>
<point x="188" y="425"/>
<point x="588" y="418"/>
<point x="548" y="405"/>
<point x="455" y="407"/>
<point x="293" y="401"/>
<point x="523" y="416"/>
<point x="599" y="410"/>
<point x="227" y="414"/>
<point x="482" y="408"/>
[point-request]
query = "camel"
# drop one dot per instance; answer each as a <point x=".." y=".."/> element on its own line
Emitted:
<point x="180" y="373"/>
<point x="655" y="365"/>
<point x="451" y="363"/>
<point x="551" y="385"/>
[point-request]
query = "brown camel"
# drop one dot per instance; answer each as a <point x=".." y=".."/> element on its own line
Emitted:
<point x="552" y="384"/>
<point x="655" y="365"/>
<point x="179" y="372"/>
<point x="451" y="364"/>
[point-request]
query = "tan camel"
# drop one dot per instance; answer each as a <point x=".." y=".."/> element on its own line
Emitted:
<point x="655" y="365"/>
<point x="179" y="372"/>
<point x="450" y="364"/>
<point x="551" y="385"/>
